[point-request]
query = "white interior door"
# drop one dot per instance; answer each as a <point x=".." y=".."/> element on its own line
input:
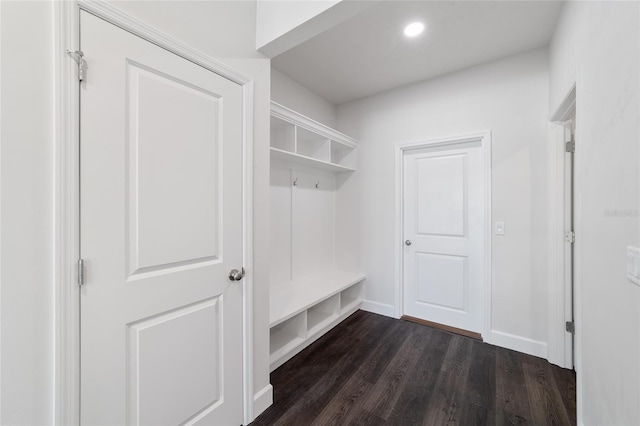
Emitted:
<point x="161" y="227"/>
<point x="444" y="235"/>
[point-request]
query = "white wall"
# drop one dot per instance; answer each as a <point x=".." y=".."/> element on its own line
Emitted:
<point x="27" y="213"/>
<point x="599" y="44"/>
<point x="277" y="18"/>
<point x="222" y="29"/>
<point x="284" y="24"/>
<point x="293" y="95"/>
<point x="508" y="97"/>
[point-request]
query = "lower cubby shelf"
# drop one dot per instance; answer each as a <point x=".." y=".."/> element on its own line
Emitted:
<point x="351" y="297"/>
<point x="291" y="298"/>
<point x="287" y="335"/>
<point x="322" y="314"/>
<point x="307" y="318"/>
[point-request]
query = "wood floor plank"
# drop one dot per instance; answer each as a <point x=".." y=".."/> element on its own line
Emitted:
<point x="388" y="388"/>
<point x="327" y="350"/>
<point x="472" y="414"/>
<point x="376" y="364"/>
<point x="546" y="403"/>
<point x="307" y="405"/>
<point x="512" y="402"/>
<point x="566" y="383"/>
<point x="411" y="407"/>
<point x="341" y="405"/>
<point x="360" y="417"/>
<point x="480" y="391"/>
<point x="444" y="408"/>
<point x="373" y="370"/>
<point x="308" y="368"/>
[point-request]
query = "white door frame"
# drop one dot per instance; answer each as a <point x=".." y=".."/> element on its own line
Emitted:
<point x="559" y="291"/>
<point x="556" y="267"/>
<point x="67" y="218"/>
<point x="484" y="138"/>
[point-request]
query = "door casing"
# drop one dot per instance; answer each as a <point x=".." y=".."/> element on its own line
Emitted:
<point x="67" y="195"/>
<point x="484" y="138"/>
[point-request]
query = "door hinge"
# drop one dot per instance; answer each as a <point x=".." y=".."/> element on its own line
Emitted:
<point x="78" y="57"/>
<point x="80" y="272"/>
<point x="570" y="146"/>
<point x="570" y="237"/>
<point x="570" y="326"/>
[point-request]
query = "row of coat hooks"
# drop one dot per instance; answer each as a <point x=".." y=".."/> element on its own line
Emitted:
<point x="295" y="183"/>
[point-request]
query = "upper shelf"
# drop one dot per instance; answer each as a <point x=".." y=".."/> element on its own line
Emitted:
<point x="301" y="140"/>
<point x="313" y="126"/>
<point x="308" y="161"/>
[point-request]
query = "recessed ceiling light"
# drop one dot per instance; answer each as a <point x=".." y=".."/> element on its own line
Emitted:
<point x="414" y="29"/>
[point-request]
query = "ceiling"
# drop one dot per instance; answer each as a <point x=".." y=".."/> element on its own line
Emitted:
<point x="369" y="53"/>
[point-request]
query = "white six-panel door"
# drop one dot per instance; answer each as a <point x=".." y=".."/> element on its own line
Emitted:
<point x="161" y="227"/>
<point x="444" y="235"/>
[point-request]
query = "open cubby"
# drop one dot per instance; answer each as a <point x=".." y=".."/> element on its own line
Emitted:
<point x="351" y="297"/>
<point x="287" y="335"/>
<point x="342" y="155"/>
<point x="283" y="135"/>
<point x="322" y="314"/>
<point x="312" y="145"/>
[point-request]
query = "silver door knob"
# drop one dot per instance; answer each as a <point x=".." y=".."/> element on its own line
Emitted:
<point x="235" y="275"/>
<point x="407" y="243"/>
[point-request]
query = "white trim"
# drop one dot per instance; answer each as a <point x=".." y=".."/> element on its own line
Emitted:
<point x="379" y="308"/>
<point x="563" y="110"/>
<point x="262" y="400"/>
<point x="67" y="315"/>
<point x="305" y="122"/>
<point x="1" y="399"/>
<point x="247" y="233"/>
<point x="485" y="145"/>
<point x="519" y="343"/>
<point x="67" y="369"/>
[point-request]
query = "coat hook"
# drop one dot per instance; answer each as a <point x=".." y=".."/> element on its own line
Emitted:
<point x="318" y="184"/>
<point x="295" y="182"/>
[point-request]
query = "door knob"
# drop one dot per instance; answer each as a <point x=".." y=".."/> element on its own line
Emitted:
<point x="407" y="243"/>
<point x="235" y="275"/>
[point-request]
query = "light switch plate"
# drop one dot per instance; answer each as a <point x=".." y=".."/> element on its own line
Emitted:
<point x="633" y="264"/>
<point x="499" y="228"/>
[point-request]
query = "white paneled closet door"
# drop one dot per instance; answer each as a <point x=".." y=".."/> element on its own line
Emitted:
<point x="161" y="226"/>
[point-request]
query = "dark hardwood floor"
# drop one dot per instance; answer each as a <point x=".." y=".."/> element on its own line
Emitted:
<point x="375" y="370"/>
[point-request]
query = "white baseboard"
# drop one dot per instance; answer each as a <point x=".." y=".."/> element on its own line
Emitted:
<point x="379" y="308"/>
<point x="519" y="343"/>
<point x="262" y="400"/>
